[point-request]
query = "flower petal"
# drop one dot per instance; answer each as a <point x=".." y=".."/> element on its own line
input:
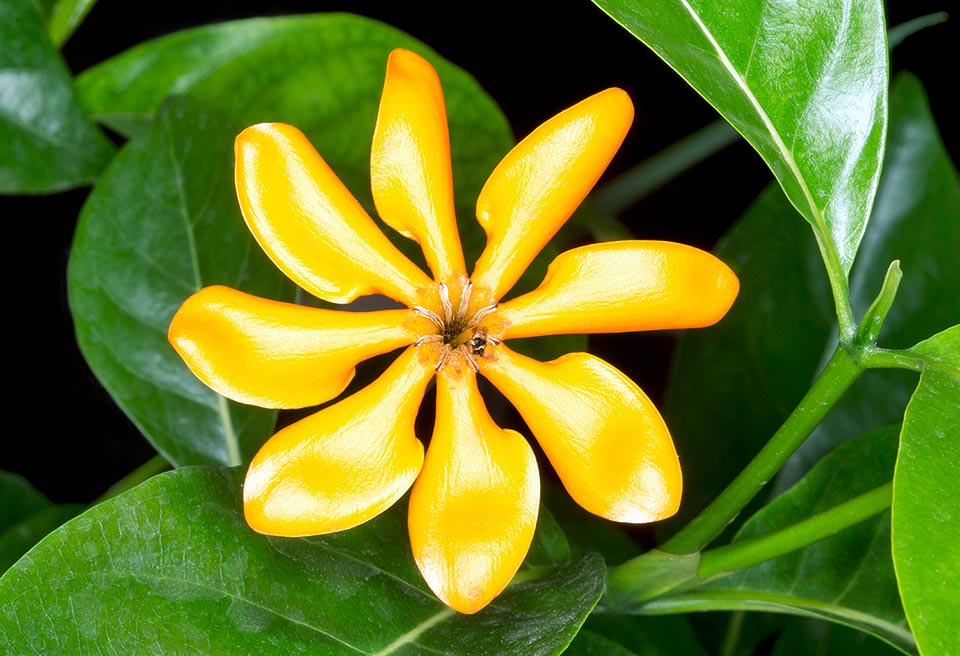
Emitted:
<point x="601" y="433"/>
<point x="411" y="178"/>
<point x="539" y="184"/>
<point x="624" y="286"/>
<point x="279" y="355"/>
<point x="473" y="510"/>
<point x="344" y="464"/>
<point x="310" y="225"/>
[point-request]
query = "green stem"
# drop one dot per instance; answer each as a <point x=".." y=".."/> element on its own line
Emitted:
<point x="841" y="290"/>
<point x="839" y="374"/>
<point x="879" y="358"/>
<point x="759" y="549"/>
<point x="156" y="465"/>
<point x="628" y="188"/>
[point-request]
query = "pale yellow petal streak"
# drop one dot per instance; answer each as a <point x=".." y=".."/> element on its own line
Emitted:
<point x="601" y="433"/>
<point x="411" y="178"/>
<point x="311" y="226"/>
<point x="344" y="464"/>
<point x="473" y="510"/>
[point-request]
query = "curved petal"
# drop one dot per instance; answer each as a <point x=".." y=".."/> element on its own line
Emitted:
<point x="624" y="286"/>
<point x="539" y="184"/>
<point x="279" y="355"/>
<point x="311" y="226"/>
<point x="411" y="178"/>
<point x="344" y="464"/>
<point x="473" y="510"/>
<point x="600" y="432"/>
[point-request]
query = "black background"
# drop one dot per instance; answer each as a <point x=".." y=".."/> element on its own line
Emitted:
<point x="64" y="432"/>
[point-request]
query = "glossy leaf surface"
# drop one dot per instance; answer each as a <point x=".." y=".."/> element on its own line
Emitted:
<point x="926" y="487"/>
<point x="25" y="517"/>
<point x="806" y="85"/>
<point x="162" y="223"/>
<point x="46" y="142"/>
<point x="63" y="17"/>
<point x="171" y="567"/>
<point x="746" y="374"/>
<point x="846" y="578"/>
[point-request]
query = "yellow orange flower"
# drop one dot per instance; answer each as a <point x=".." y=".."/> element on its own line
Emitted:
<point x="475" y="495"/>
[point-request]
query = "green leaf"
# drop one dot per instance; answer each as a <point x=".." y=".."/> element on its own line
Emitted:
<point x="549" y="545"/>
<point x="745" y="375"/>
<point x="926" y="507"/>
<point x="160" y="224"/>
<point x="171" y="567"/>
<point x="806" y="85"/>
<point x="65" y="18"/>
<point x="623" y="635"/>
<point x="847" y="578"/>
<point x="322" y="73"/>
<point x="25" y="517"/>
<point x="48" y="144"/>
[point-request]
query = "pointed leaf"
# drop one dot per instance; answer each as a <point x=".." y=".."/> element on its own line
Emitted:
<point x="161" y="223"/>
<point x="46" y="143"/>
<point x="781" y="328"/>
<point x="805" y="83"/>
<point x="926" y="508"/>
<point x="171" y="567"/>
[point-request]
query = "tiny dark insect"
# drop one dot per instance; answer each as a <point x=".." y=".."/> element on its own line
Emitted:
<point x="478" y="344"/>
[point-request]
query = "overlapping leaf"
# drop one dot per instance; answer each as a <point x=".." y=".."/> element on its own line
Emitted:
<point x="172" y="567"/>
<point x="782" y="326"/>
<point x="163" y="222"/>
<point x="805" y="83"/>
<point x="926" y="508"/>
<point x="322" y="73"/>
<point x="46" y="142"/>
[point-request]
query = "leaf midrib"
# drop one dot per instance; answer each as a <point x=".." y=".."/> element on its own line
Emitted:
<point x="785" y="153"/>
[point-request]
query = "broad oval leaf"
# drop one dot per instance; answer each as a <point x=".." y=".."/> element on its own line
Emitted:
<point x="804" y="82"/>
<point x="172" y="567"/>
<point x="322" y="73"/>
<point x="847" y="578"/>
<point x="160" y="224"/>
<point x="46" y="142"/>
<point x="25" y="517"/>
<point x="926" y="507"/>
<point x="781" y="329"/>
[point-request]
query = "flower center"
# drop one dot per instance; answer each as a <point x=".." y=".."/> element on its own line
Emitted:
<point x="459" y="330"/>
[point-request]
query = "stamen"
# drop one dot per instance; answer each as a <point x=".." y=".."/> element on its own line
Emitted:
<point x="428" y="338"/>
<point x="464" y="300"/>
<point x="481" y="313"/>
<point x="443" y="357"/>
<point x="473" y="361"/>
<point x="445" y="302"/>
<point x="429" y="314"/>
